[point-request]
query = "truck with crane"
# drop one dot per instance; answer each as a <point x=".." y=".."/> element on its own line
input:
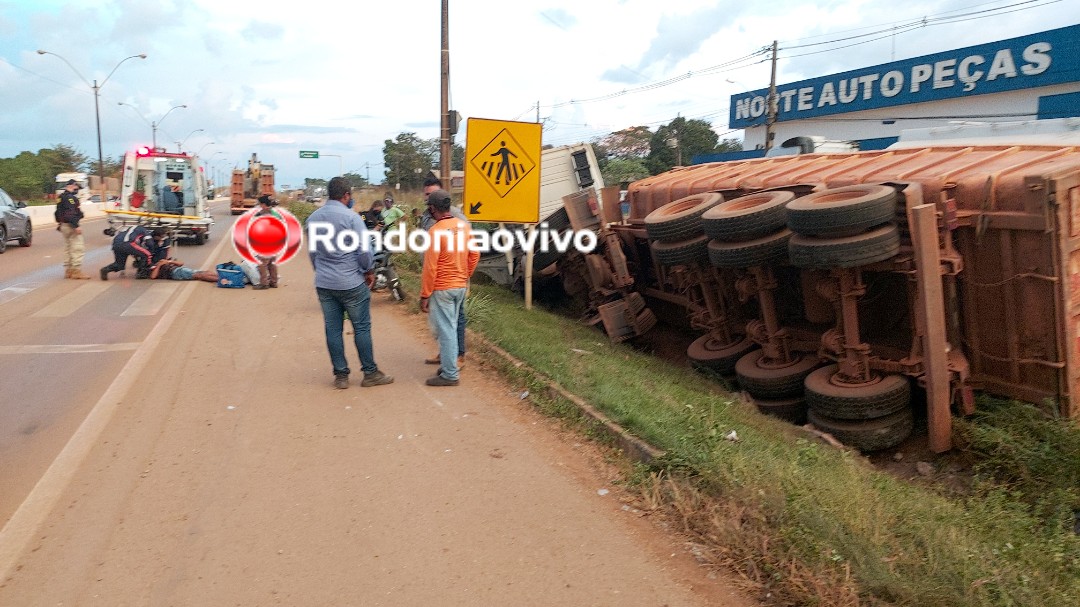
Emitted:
<point x="248" y="185"/>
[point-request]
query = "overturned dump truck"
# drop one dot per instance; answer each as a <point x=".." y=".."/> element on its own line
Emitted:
<point x="835" y="287"/>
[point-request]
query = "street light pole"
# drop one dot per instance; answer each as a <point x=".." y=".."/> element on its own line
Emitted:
<point x="153" y="125"/>
<point x="180" y="144"/>
<point x="97" y="112"/>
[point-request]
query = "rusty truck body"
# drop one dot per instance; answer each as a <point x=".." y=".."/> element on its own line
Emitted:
<point x="838" y="286"/>
<point x="248" y="185"/>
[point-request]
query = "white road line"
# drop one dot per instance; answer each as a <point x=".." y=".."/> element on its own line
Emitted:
<point x="69" y="349"/>
<point x="151" y="301"/>
<point x="25" y="522"/>
<point x="18" y="290"/>
<point x="71" y="302"/>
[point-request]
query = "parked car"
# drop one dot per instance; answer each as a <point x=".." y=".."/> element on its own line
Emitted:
<point x="14" y="222"/>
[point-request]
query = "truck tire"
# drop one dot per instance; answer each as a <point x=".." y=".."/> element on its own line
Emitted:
<point x="201" y="238"/>
<point x="887" y="395"/>
<point x="871" y="435"/>
<point x="543" y="259"/>
<point x="774" y="382"/>
<point x="747" y="217"/>
<point x="768" y="250"/>
<point x="695" y="250"/>
<point x="847" y="252"/>
<point x="708" y="353"/>
<point x="842" y="211"/>
<point x="681" y="219"/>
<point x="788" y="409"/>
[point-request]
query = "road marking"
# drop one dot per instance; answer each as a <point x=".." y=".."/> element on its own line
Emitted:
<point x="71" y="302"/>
<point x="18" y="290"/>
<point x="69" y="349"/>
<point x="25" y="522"/>
<point x="151" y="301"/>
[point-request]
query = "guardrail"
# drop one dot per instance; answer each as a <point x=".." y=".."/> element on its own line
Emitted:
<point x="42" y="215"/>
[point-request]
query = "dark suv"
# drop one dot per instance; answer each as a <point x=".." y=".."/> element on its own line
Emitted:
<point x="14" y="222"/>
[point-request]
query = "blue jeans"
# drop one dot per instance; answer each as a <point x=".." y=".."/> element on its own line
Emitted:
<point x="357" y="302"/>
<point x="445" y="309"/>
<point x="461" y="330"/>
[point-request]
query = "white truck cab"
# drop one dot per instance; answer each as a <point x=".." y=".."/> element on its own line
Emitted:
<point x="160" y="188"/>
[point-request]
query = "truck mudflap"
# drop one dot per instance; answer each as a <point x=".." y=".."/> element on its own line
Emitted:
<point x="189" y="226"/>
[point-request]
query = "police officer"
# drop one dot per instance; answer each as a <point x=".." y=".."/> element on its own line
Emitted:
<point x="130" y="241"/>
<point x="68" y="215"/>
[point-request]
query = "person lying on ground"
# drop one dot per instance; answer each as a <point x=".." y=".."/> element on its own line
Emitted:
<point x="175" y="270"/>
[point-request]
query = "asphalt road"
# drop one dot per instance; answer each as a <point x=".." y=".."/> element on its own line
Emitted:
<point x="62" y="342"/>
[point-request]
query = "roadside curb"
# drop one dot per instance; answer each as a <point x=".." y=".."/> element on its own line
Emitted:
<point x="633" y="446"/>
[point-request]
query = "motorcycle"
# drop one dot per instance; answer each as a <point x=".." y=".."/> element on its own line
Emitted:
<point x="386" y="276"/>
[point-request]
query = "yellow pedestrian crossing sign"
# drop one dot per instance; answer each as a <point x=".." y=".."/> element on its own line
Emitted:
<point x="502" y="171"/>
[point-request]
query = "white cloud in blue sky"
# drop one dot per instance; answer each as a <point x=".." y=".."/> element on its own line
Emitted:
<point x="273" y="77"/>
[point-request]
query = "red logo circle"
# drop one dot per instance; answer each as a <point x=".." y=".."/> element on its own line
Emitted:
<point x="273" y="235"/>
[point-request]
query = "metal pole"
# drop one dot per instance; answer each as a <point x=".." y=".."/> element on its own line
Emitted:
<point x="924" y="237"/>
<point x="770" y="118"/>
<point x="444" y="144"/>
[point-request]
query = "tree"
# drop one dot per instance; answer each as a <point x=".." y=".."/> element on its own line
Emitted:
<point x="729" y="145"/>
<point x="408" y="158"/>
<point x="628" y="143"/>
<point x="457" y="158"/>
<point x="355" y="180"/>
<point x="624" y="170"/>
<point x="677" y="142"/>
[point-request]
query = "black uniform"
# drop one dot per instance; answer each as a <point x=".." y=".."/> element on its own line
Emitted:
<point x="67" y="209"/>
<point x="130" y="241"/>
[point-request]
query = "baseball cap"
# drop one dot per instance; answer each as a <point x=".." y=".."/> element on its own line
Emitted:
<point x="439" y="199"/>
<point x="72" y="182"/>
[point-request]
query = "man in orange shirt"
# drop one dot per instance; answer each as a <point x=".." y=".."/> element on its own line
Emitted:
<point x="448" y="264"/>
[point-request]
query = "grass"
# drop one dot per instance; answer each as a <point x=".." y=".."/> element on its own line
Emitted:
<point x="805" y="523"/>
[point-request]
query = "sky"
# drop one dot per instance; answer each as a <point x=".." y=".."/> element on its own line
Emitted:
<point x="276" y="77"/>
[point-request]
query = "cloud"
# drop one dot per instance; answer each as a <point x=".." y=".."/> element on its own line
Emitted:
<point x="680" y="36"/>
<point x="559" y="18"/>
<point x="429" y="124"/>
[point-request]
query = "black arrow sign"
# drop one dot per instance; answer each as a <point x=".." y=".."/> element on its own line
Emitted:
<point x="474" y="208"/>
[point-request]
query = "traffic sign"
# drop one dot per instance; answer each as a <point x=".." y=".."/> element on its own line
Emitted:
<point x="502" y="171"/>
<point x="309" y="154"/>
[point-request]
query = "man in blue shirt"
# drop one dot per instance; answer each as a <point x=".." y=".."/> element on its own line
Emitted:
<point x="343" y="279"/>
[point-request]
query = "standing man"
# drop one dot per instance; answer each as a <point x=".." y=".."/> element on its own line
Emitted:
<point x="427" y="220"/>
<point x="131" y="241"/>
<point x="68" y="215"/>
<point x="448" y="264"/>
<point x="343" y="282"/>
<point x="391" y="214"/>
<point x="267" y="266"/>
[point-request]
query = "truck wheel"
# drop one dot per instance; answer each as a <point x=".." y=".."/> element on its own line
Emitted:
<point x="708" y="353"/>
<point x="872" y="435"/>
<point x="543" y="259"/>
<point x="842" y="211"/>
<point x="680" y="220"/>
<point x="788" y="409"/>
<point x="28" y="235"/>
<point x="200" y="238"/>
<point x="695" y="250"/>
<point x="768" y="250"/>
<point x="771" y="382"/>
<point x="747" y="217"/>
<point x="884" y="396"/>
<point x="847" y="252"/>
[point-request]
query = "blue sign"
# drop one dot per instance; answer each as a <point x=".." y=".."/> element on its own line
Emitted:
<point x="1042" y="59"/>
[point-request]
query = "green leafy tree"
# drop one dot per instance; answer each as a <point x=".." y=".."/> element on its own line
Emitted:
<point x="26" y="176"/>
<point x="355" y="180"/>
<point x="729" y="145"/>
<point x="624" y="170"/>
<point x="66" y="159"/>
<point x="408" y="158"/>
<point x="457" y="157"/>
<point x="678" y="141"/>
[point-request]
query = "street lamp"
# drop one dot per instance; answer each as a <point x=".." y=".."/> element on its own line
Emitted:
<point x="153" y="125"/>
<point x="204" y="147"/>
<point x="180" y="144"/>
<point x="97" y="113"/>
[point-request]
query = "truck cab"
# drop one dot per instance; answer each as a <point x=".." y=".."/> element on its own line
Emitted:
<point x="166" y="189"/>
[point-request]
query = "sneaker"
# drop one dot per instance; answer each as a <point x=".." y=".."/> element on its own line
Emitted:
<point x="341" y="382"/>
<point x="378" y="378"/>
<point x="439" y="380"/>
<point x="104" y="274"/>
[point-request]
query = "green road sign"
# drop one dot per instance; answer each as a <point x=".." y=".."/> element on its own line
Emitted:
<point x="309" y="154"/>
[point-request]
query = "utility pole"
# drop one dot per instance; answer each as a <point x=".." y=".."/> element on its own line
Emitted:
<point x="770" y="118"/>
<point x="444" y="144"/>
